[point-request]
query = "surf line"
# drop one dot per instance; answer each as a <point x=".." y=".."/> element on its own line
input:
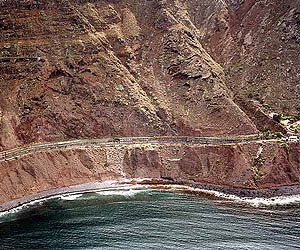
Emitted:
<point x="129" y="185"/>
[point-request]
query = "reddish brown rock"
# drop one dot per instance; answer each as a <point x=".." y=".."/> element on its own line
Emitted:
<point x="257" y="43"/>
<point x="93" y="69"/>
<point x="79" y="69"/>
<point x="228" y="165"/>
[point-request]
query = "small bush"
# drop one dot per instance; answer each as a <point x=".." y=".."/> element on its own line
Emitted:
<point x="114" y="140"/>
<point x="266" y="134"/>
<point x="277" y="117"/>
<point x="278" y="135"/>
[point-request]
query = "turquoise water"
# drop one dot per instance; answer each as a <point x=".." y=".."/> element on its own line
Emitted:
<point x="149" y="220"/>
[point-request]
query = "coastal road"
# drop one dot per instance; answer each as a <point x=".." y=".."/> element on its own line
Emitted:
<point x="15" y="153"/>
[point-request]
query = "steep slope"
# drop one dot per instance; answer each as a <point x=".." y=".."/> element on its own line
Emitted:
<point x="258" y="44"/>
<point x="73" y="69"/>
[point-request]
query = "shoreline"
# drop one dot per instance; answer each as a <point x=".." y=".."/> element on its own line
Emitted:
<point x="76" y="189"/>
<point x="284" y="190"/>
<point x="241" y="193"/>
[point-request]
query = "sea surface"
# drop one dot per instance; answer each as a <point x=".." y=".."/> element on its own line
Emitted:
<point x="149" y="219"/>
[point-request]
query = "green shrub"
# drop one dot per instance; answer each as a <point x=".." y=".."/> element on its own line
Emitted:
<point x="278" y="135"/>
<point x="277" y="117"/>
<point x="114" y="139"/>
<point x="266" y="134"/>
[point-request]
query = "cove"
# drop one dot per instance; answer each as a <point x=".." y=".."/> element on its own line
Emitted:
<point x="149" y="219"/>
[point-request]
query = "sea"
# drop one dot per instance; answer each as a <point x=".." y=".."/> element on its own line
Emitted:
<point x="147" y="218"/>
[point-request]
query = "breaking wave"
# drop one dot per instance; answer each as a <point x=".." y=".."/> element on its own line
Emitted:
<point x="70" y="197"/>
<point x="127" y="193"/>
<point x="274" y="201"/>
<point x="27" y="205"/>
<point x="121" y="191"/>
<point x="255" y="202"/>
<point x="133" y="190"/>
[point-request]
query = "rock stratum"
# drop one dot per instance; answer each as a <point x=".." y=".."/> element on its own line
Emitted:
<point x="115" y="68"/>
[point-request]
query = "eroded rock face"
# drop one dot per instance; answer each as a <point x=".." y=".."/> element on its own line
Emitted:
<point x="257" y="43"/>
<point x="73" y="69"/>
<point x="240" y="166"/>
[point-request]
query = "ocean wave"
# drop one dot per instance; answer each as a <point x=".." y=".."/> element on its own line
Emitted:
<point x="70" y="197"/>
<point x="127" y="193"/>
<point x="255" y="202"/>
<point x="274" y="201"/>
<point x="27" y="205"/>
<point x="126" y="190"/>
<point x="132" y="190"/>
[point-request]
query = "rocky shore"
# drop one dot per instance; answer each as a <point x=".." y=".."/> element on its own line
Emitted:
<point x="248" y="169"/>
<point x="83" y="188"/>
<point x="224" y="191"/>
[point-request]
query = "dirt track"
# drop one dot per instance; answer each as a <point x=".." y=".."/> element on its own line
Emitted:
<point x="113" y="142"/>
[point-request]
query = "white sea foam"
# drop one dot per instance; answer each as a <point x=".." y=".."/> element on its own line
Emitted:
<point x="128" y="193"/>
<point x="27" y="205"/>
<point x="274" y="201"/>
<point x="129" y="190"/>
<point x="70" y="197"/>
<point x="76" y="196"/>
<point x="255" y="202"/>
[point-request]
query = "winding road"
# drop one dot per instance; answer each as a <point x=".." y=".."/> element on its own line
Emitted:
<point x="15" y="153"/>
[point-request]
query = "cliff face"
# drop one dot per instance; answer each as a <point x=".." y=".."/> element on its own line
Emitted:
<point x="79" y="68"/>
<point x="258" y="43"/>
<point x="240" y="166"/>
<point x="74" y="69"/>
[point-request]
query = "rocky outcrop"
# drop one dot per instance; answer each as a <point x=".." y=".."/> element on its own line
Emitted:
<point x="251" y="165"/>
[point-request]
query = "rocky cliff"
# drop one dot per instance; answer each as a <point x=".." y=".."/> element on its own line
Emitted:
<point x="251" y="165"/>
<point x="257" y="42"/>
<point x="73" y="69"/>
